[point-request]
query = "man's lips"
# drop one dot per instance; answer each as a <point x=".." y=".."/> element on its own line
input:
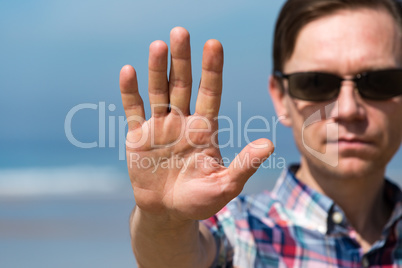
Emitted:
<point x="353" y="140"/>
<point x="351" y="143"/>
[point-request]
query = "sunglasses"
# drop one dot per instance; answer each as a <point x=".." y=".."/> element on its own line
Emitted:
<point x="320" y="86"/>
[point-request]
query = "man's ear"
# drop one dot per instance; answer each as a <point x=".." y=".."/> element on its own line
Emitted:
<point x="279" y="99"/>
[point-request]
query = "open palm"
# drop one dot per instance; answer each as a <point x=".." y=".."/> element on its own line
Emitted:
<point x="173" y="158"/>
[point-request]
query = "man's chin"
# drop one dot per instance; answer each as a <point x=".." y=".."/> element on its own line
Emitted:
<point x="354" y="167"/>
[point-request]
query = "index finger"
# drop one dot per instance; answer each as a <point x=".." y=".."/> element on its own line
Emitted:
<point x="210" y="91"/>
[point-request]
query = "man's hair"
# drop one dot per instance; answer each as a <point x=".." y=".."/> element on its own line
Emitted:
<point x="296" y="14"/>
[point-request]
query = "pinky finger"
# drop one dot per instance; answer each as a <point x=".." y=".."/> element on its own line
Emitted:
<point x="132" y="101"/>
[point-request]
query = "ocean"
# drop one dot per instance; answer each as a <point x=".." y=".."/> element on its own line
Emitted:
<point x="62" y="206"/>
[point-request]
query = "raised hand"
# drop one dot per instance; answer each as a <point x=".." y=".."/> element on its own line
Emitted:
<point x="173" y="158"/>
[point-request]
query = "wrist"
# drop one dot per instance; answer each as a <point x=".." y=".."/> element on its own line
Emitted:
<point x="163" y="222"/>
<point x="178" y="243"/>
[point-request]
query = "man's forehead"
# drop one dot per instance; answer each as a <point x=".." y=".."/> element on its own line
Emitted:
<point x="364" y="38"/>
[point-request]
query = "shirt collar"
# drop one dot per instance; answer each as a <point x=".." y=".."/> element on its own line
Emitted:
<point x="304" y="205"/>
<point x="393" y="194"/>
<point x="314" y="210"/>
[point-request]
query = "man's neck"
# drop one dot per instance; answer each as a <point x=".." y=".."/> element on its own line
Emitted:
<point x="360" y="197"/>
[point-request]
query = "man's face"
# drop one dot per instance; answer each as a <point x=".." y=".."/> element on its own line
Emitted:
<point x="354" y="136"/>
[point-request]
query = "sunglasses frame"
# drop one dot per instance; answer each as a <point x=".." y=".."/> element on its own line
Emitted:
<point x="359" y="79"/>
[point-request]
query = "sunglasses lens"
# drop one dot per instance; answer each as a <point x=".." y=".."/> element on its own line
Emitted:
<point x="381" y="85"/>
<point x="314" y="86"/>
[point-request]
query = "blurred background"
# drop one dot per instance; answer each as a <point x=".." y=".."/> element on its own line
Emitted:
<point x="65" y="196"/>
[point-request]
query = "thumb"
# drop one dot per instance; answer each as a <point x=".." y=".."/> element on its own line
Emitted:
<point x="249" y="160"/>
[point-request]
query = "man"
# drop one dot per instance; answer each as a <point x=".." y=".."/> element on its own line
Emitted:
<point x="337" y="82"/>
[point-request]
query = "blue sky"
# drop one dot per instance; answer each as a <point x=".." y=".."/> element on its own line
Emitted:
<point x="56" y="55"/>
<point x="59" y="54"/>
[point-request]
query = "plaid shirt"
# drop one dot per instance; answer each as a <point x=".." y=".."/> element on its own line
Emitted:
<point x="295" y="226"/>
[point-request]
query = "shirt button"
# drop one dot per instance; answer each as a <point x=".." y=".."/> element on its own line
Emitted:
<point x="337" y="217"/>
<point x="365" y="262"/>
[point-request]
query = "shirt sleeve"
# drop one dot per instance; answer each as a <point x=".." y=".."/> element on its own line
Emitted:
<point x="224" y="254"/>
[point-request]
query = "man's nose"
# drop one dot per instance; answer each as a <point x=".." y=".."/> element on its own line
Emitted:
<point x="349" y="106"/>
